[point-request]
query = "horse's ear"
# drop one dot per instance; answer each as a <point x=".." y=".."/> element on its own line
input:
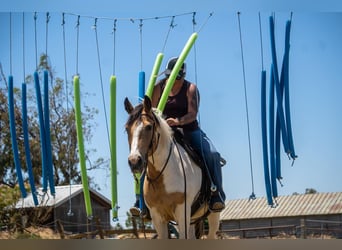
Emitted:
<point x="128" y="106"/>
<point x="147" y="103"/>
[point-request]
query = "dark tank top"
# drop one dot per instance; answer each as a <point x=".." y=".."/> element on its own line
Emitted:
<point x="177" y="106"/>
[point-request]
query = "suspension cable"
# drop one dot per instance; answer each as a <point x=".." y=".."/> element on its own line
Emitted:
<point x="70" y="213"/>
<point x="46" y="34"/>
<point x="35" y="38"/>
<point x="24" y="73"/>
<point x="261" y="44"/>
<point x="114" y="45"/>
<point x="141" y="44"/>
<point x="252" y="196"/>
<point x="172" y="25"/>
<point x="77" y="40"/>
<point x="205" y="23"/>
<point x="101" y="81"/>
<point x="10" y="40"/>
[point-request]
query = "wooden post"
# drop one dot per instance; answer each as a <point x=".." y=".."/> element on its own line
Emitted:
<point x="135" y="230"/>
<point x="60" y="229"/>
<point x="99" y="228"/>
<point x="302" y="229"/>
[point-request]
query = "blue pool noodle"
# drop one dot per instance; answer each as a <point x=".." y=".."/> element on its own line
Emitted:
<point x="14" y="137"/>
<point x="41" y="131"/>
<point x="264" y="138"/>
<point x="27" y="145"/>
<point x="48" y="148"/>
<point x="280" y="109"/>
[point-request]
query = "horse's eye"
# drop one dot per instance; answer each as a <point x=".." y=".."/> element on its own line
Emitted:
<point x="148" y="127"/>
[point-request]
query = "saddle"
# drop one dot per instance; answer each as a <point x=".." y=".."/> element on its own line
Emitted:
<point x="205" y="192"/>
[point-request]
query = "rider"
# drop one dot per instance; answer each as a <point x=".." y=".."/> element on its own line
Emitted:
<point x="181" y="112"/>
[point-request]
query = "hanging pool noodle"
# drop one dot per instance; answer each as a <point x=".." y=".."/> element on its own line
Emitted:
<point x="27" y="145"/>
<point x="175" y="71"/>
<point x="141" y="85"/>
<point x="47" y="133"/>
<point x="272" y="133"/>
<point x="154" y="75"/>
<point x="113" y="159"/>
<point x="287" y="91"/>
<point x="278" y="129"/>
<point x="14" y="137"/>
<point x="264" y="138"/>
<point x="41" y="131"/>
<point x="79" y="131"/>
<point x="280" y="110"/>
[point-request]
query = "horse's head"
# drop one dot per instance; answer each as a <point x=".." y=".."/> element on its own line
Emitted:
<point x="140" y="128"/>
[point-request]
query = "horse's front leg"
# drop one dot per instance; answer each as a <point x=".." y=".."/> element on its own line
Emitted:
<point x="183" y="221"/>
<point x="160" y="225"/>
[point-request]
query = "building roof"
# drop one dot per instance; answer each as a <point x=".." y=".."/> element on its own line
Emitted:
<point x="63" y="194"/>
<point x="287" y="206"/>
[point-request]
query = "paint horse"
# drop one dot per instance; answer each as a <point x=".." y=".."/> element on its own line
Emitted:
<point x="172" y="179"/>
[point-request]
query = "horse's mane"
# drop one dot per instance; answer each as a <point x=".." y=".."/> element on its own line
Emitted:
<point x="165" y="128"/>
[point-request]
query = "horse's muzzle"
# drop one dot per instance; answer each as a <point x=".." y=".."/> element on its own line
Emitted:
<point x="136" y="163"/>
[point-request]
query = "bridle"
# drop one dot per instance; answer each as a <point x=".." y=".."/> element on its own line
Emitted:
<point x="152" y="148"/>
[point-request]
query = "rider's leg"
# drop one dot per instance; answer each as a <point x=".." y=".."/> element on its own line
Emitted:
<point x="202" y="144"/>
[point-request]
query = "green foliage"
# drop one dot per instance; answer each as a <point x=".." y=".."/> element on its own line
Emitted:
<point x="8" y="197"/>
<point x="62" y="131"/>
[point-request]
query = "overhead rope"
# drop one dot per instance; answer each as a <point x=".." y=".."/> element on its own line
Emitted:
<point x="10" y="40"/>
<point x="35" y="37"/>
<point x="70" y="212"/>
<point x="24" y="71"/>
<point x="205" y="23"/>
<point x="171" y="26"/>
<point x="101" y="80"/>
<point x="141" y="43"/>
<point x="252" y="196"/>
<point x="46" y="33"/>
<point x="77" y="41"/>
<point x="114" y="45"/>
<point x="129" y="19"/>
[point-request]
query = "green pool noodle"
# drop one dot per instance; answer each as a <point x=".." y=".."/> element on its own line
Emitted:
<point x="80" y="143"/>
<point x="154" y="74"/>
<point x="113" y="158"/>
<point x="175" y="71"/>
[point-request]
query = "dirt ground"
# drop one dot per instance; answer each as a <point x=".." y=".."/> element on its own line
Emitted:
<point x="47" y="233"/>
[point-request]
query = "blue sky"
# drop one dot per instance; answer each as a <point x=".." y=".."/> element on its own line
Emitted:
<point x="315" y="84"/>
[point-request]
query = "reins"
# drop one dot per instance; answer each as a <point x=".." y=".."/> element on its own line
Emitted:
<point x="164" y="167"/>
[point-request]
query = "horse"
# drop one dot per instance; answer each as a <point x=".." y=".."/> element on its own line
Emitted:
<point x="172" y="178"/>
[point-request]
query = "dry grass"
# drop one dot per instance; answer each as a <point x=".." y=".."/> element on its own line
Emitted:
<point x="47" y="233"/>
<point x="30" y="233"/>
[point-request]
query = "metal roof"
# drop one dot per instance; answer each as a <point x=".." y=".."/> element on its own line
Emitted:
<point x="63" y="194"/>
<point x="291" y="205"/>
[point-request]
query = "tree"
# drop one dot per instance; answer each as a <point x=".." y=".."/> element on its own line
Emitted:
<point x="62" y="129"/>
<point x="310" y="191"/>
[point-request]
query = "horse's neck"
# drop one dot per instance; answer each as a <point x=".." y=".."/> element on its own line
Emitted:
<point x="161" y="154"/>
